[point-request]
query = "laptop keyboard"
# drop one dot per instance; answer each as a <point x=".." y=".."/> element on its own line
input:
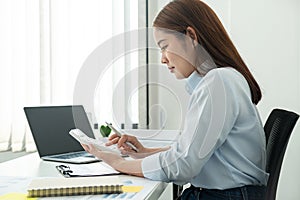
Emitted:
<point x="74" y="155"/>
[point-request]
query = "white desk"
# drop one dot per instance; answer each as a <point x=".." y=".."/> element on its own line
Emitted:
<point x="32" y="166"/>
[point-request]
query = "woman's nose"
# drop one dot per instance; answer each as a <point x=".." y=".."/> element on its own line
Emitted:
<point x="164" y="60"/>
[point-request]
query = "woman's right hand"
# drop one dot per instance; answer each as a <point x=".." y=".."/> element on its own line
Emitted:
<point x="125" y="148"/>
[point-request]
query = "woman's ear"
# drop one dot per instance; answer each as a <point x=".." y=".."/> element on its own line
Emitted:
<point x="192" y="34"/>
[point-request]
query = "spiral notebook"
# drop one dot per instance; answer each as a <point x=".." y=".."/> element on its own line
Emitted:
<point x="52" y="187"/>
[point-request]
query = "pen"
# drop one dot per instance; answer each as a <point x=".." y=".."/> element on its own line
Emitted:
<point x="120" y="135"/>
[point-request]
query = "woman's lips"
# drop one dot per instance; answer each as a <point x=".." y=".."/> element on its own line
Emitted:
<point x="171" y="69"/>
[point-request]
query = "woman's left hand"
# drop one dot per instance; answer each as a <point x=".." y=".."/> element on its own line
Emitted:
<point x="109" y="157"/>
<point x="116" y="161"/>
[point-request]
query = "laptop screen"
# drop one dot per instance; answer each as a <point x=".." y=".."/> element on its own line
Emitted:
<point x="50" y="126"/>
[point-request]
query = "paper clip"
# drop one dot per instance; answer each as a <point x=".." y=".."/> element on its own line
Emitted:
<point x="64" y="170"/>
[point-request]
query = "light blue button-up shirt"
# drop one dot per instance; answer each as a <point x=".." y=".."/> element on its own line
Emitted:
<point x="222" y="144"/>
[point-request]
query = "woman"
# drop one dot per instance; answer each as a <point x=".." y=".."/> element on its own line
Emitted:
<point x="221" y="150"/>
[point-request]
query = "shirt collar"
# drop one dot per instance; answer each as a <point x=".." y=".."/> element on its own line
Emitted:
<point x="192" y="81"/>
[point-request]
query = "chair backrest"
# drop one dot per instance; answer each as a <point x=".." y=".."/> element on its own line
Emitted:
<point x="278" y="129"/>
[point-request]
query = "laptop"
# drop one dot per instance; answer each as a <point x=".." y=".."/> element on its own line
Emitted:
<point x="50" y="126"/>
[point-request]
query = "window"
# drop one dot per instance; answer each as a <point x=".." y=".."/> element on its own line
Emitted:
<point x="44" y="45"/>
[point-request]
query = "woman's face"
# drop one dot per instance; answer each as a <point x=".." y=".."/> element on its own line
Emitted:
<point x="177" y="54"/>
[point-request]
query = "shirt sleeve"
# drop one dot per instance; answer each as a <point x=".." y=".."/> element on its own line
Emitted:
<point x="211" y="115"/>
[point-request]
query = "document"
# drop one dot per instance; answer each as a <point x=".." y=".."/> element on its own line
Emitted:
<point x="84" y="170"/>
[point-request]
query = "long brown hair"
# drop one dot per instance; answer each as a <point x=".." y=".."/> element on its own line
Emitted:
<point x="180" y="14"/>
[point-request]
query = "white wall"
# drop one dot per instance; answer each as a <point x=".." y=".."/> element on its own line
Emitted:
<point x="267" y="34"/>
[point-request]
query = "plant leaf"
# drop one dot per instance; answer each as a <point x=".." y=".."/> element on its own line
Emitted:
<point x="105" y="131"/>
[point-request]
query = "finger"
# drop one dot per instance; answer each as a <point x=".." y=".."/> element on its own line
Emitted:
<point x="92" y="149"/>
<point x="126" y="147"/>
<point x="113" y="136"/>
<point x="131" y="153"/>
<point x="125" y="139"/>
<point x="122" y="141"/>
<point x="126" y="151"/>
<point x="113" y="141"/>
<point x="85" y="147"/>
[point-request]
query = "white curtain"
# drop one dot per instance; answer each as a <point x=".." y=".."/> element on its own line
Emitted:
<point x="42" y="47"/>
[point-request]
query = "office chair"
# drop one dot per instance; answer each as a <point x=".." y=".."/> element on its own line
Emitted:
<point x="278" y="129"/>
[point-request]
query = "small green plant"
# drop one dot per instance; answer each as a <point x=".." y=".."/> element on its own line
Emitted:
<point x="105" y="131"/>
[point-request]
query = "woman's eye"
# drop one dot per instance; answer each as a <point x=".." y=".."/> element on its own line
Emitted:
<point x="164" y="48"/>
